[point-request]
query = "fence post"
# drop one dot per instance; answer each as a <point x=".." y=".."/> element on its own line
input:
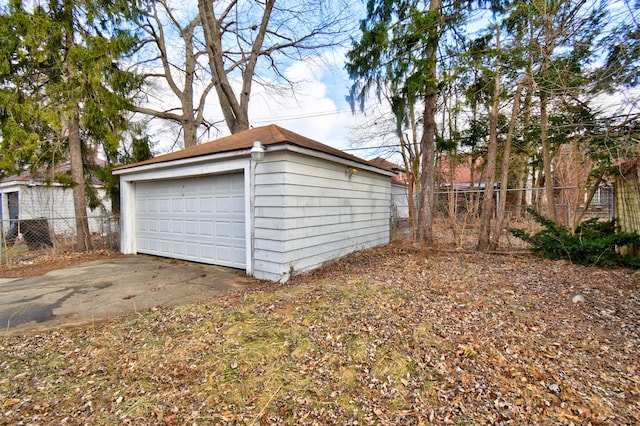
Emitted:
<point x="110" y="231"/>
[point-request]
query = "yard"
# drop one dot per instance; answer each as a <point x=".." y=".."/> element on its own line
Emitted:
<point x="395" y="335"/>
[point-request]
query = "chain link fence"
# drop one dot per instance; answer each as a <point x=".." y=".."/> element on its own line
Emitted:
<point x="28" y="238"/>
<point x="569" y="202"/>
<point x="459" y="210"/>
<point x="461" y="203"/>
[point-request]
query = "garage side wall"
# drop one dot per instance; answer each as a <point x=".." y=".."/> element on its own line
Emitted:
<point x="309" y="211"/>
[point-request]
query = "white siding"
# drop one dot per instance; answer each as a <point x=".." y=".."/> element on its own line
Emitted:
<point x="56" y="204"/>
<point x="399" y="201"/>
<point x="309" y="211"/>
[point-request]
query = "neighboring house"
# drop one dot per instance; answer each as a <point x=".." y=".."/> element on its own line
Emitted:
<point x="399" y="188"/>
<point x="29" y="196"/>
<point x="265" y="200"/>
<point x="467" y="173"/>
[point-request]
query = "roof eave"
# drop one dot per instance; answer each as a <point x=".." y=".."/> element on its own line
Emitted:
<point x="125" y="170"/>
<point x="329" y="157"/>
<point x="246" y="153"/>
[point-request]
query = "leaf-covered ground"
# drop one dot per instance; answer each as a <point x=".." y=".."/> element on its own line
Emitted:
<point x="395" y="335"/>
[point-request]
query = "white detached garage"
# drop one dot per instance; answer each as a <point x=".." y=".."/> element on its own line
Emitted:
<point x="282" y="206"/>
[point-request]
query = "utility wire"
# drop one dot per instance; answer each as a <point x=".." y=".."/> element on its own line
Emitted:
<point x="300" y="117"/>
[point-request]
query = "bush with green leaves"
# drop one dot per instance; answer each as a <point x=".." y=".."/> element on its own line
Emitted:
<point x="593" y="243"/>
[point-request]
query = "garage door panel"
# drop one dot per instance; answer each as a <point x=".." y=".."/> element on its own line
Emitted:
<point x="206" y="205"/>
<point x="207" y="251"/>
<point x="223" y="254"/>
<point x="177" y="247"/>
<point x="200" y="219"/>
<point x="223" y="230"/>
<point x="176" y="227"/>
<point x="191" y="227"/>
<point x="191" y="205"/>
<point x="177" y="206"/>
<point x="206" y="228"/>
<point x="164" y="226"/>
<point x="191" y="249"/>
<point x="223" y="205"/>
<point x="163" y="205"/>
<point x="238" y="230"/>
<point x="238" y="204"/>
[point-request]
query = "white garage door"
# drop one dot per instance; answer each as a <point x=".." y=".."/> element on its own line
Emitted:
<point x="200" y="219"/>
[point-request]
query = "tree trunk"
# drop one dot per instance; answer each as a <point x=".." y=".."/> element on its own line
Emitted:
<point x="489" y="181"/>
<point x="415" y="153"/>
<point x="452" y="197"/>
<point x="484" y="242"/>
<point x="161" y="28"/>
<point x="525" y="196"/>
<point x="538" y="176"/>
<point x="504" y="178"/>
<point x="546" y="51"/>
<point x="190" y="129"/>
<point x="427" y="176"/>
<point x="76" y="161"/>
<point x="236" y="119"/>
<point x="83" y="238"/>
<point x="190" y="124"/>
<point x="413" y="175"/>
<point x="519" y="195"/>
<point x="235" y="110"/>
<point x="546" y="160"/>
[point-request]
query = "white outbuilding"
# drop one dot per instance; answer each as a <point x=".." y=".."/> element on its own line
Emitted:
<point x="37" y="195"/>
<point x="266" y="200"/>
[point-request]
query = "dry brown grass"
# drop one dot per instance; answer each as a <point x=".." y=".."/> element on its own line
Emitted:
<point x="396" y="335"/>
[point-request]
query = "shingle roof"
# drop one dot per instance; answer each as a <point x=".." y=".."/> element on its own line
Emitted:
<point x="399" y="178"/>
<point x="267" y="135"/>
<point x="387" y="165"/>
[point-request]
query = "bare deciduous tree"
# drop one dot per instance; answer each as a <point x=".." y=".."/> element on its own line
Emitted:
<point x="225" y="48"/>
<point x="252" y="41"/>
<point x="504" y="172"/>
<point x="174" y="54"/>
<point x="396" y="135"/>
<point x="484" y="240"/>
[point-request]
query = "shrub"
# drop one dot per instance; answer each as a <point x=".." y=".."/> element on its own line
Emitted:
<point x="593" y="243"/>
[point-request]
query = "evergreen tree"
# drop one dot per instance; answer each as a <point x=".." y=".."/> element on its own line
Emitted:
<point x="62" y="90"/>
<point x="398" y="47"/>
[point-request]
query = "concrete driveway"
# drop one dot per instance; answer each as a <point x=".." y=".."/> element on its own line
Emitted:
<point x="105" y="289"/>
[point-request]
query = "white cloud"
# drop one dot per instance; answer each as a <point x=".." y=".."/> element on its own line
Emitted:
<point x="311" y="110"/>
<point x="316" y="108"/>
